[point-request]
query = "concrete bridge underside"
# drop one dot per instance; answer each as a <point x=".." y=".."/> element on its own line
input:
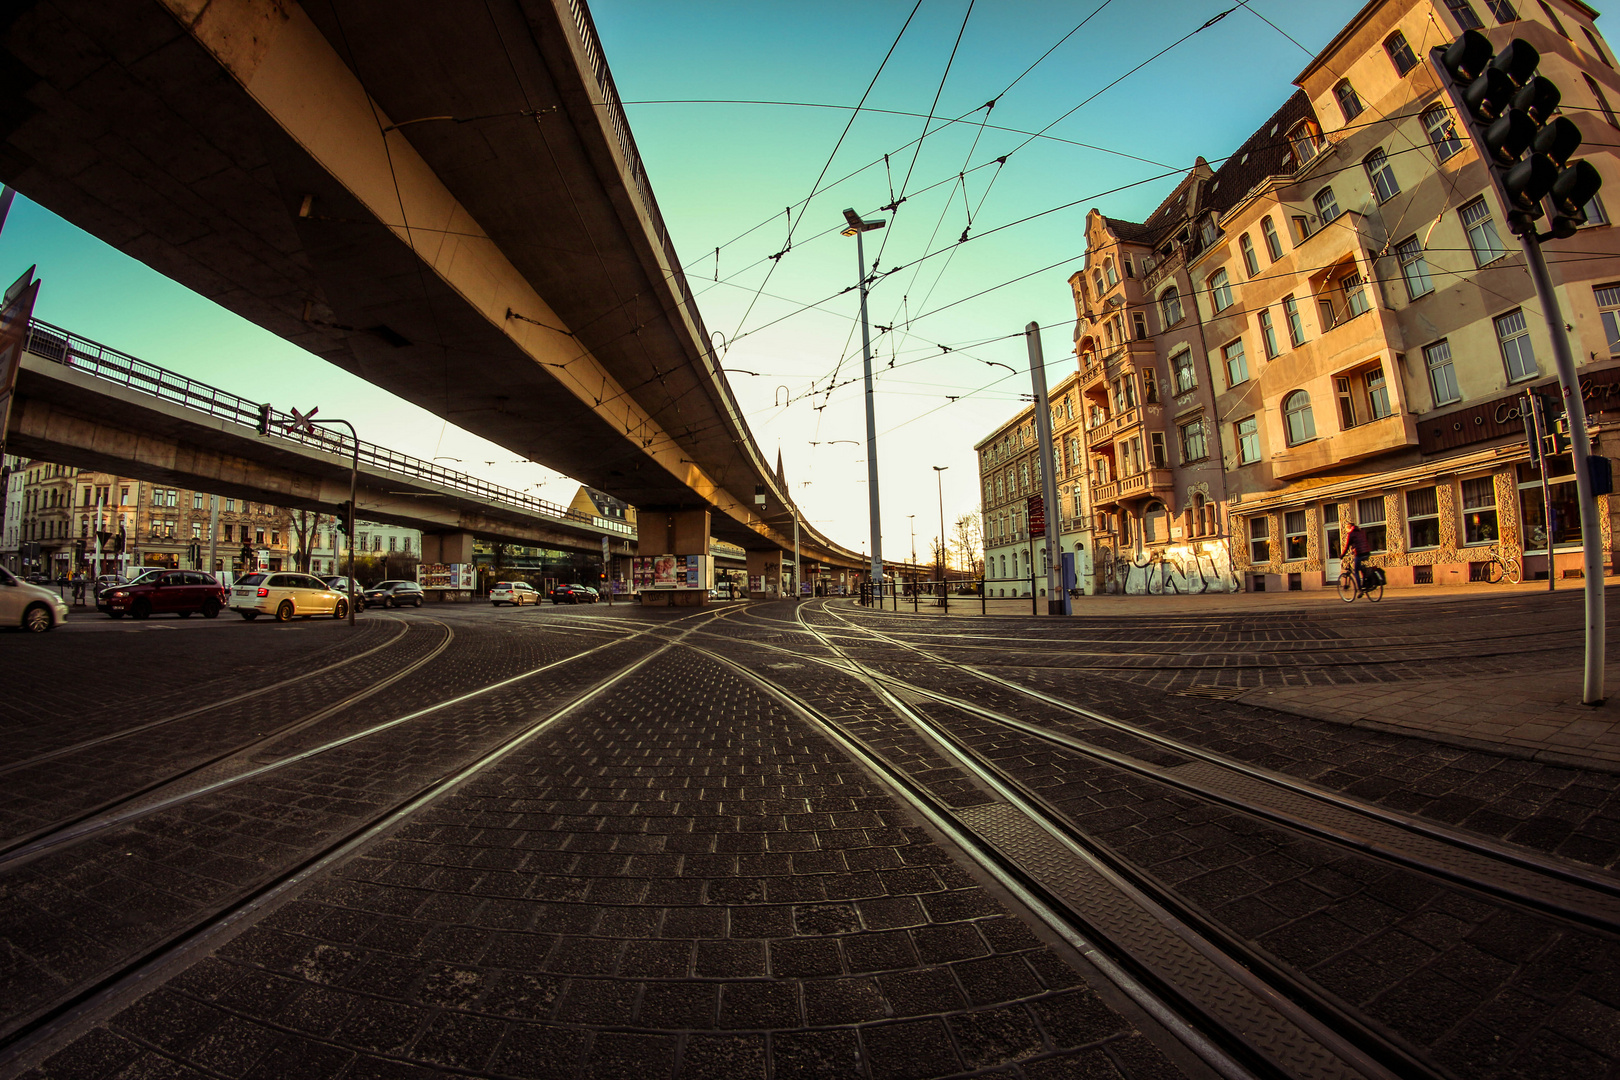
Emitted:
<point x="65" y="416"/>
<point x="443" y="199"/>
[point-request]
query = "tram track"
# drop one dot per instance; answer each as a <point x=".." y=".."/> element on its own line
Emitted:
<point x="207" y="926"/>
<point x="1506" y="874"/>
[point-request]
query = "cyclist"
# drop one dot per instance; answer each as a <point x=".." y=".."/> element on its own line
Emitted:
<point x="1357" y="542"/>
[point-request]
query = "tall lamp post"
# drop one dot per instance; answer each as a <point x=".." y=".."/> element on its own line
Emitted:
<point x="856" y="227"/>
<point x="940" y="483"/>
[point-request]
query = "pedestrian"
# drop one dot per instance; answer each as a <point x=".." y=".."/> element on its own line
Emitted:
<point x="1356" y="541"/>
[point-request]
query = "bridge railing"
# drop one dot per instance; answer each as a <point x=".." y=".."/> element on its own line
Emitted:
<point x="93" y="358"/>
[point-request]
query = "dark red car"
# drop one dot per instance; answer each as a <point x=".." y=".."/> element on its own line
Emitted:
<point x="178" y="592"/>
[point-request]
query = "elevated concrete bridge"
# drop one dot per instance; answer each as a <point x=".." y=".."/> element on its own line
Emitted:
<point x="444" y="199"/>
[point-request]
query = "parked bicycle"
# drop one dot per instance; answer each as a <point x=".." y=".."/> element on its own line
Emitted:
<point x="1500" y="567"/>
<point x="1351" y="585"/>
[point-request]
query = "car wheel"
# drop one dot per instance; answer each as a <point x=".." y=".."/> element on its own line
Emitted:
<point x="116" y="614"/>
<point x="184" y="614"/>
<point x="250" y="615"/>
<point x="37" y="619"/>
<point x="284" y="613"/>
<point x="210" y="608"/>
<point x="141" y="610"/>
<point x="341" y="611"/>
<point x="388" y="601"/>
<point x="418" y="602"/>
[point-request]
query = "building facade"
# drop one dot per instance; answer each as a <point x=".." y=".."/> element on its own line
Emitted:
<point x="1335" y="325"/>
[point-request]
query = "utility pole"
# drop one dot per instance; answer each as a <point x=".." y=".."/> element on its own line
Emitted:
<point x="1057" y="597"/>
<point x="213" y="532"/>
<point x="856" y="227"/>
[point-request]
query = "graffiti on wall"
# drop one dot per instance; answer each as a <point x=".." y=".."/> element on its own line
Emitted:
<point x="1177" y="569"/>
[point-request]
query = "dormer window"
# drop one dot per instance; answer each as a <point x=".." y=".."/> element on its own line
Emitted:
<point x="1306" y="139"/>
<point x="1208" y="232"/>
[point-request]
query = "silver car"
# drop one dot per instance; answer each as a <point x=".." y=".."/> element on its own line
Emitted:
<point x="29" y="606"/>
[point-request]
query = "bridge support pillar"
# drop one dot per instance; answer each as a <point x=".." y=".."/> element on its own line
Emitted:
<point x="448" y="547"/>
<point x="766" y="568"/>
<point x="673" y="532"/>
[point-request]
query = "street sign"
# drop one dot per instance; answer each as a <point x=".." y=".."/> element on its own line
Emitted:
<point x="1036" y="508"/>
<point x="303" y="421"/>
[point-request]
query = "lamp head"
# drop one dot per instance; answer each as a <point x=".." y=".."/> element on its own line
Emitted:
<point x="856" y="225"/>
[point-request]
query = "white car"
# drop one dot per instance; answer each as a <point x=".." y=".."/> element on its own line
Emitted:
<point x="29" y="606"/>
<point x="513" y="592"/>
<point x="285" y="594"/>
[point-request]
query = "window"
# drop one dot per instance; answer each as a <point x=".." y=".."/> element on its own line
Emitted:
<point x="1108" y="269"/>
<point x="1464" y="14"/>
<point x="393" y="544"/>
<point x="1349" y="103"/>
<point x="1207" y="232"/>
<point x="1302" y="228"/>
<point x="1296" y="328"/>
<point x="1192" y="441"/>
<point x="196" y="500"/>
<point x="1382" y="175"/>
<point x="1097" y="283"/>
<point x="275" y="537"/>
<point x="1161" y="457"/>
<point x="1597" y="50"/>
<point x="1181" y="369"/>
<point x="1268" y="334"/>
<point x="1482" y="234"/>
<point x="1273" y="244"/>
<point x="1306" y="139"/>
<point x="123" y="496"/>
<point x="1370" y="516"/>
<point x="1595" y="214"/>
<point x="1170" y="306"/>
<point x="172" y="498"/>
<point x="1237" y="366"/>
<point x="1422" y="519"/>
<point x="1442" y="376"/>
<point x="1414" y="268"/>
<point x="1566" y="511"/>
<point x="1294" y="535"/>
<point x="1552" y="18"/>
<point x="1301" y="426"/>
<point x="1479" y="510"/>
<point x="1248" y="440"/>
<point x="1355" y="295"/>
<point x="1327" y="207"/>
<point x="258" y="537"/>
<point x="1608" y="302"/>
<point x="1220" y="291"/>
<point x="1139" y="324"/>
<point x="196" y="530"/>
<point x="1150" y="386"/>
<point x="1502" y="10"/>
<point x="1603" y="102"/>
<point x="1442" y="131"/>
<point x="1347" y="404"/>
<point x="1518" y="358"/>
<point x="1377" y="392"/>
<point x="1400" y="53"/>
<point x="230" y="504"/>
<point x="229" y="529"/>
<point x="1260" y="539"/>
<point x="1251" y="262"/>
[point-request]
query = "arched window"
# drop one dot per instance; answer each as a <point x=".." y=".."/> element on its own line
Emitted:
<point x="1442" y="131"/>
<point x="1097" y="283"/>
<point x="1306" y="139"/>
<point x="1349" y="103"/>
<point x="1381" y="175"/>
<point x="1220" y="290"/>
<point x="1297" y="418"/>
<point x="1170" y="306"/>
<point x="1250" y="263"/>
<point x="1400" y="53"/>
<point x="1327" y="206"/>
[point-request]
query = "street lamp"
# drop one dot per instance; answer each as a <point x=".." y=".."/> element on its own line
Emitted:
<point x="938" y="469"/>
<point x="856" y="227"/>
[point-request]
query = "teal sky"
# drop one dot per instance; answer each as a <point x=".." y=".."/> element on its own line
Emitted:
<point x="724" y="172"/>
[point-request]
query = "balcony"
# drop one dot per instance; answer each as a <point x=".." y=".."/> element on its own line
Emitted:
<point x="1394" y="432"/>
<point x="1111" y="428"/>
<point x="1142" y="484"/>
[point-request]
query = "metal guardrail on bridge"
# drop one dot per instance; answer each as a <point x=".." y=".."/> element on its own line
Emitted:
<point x="121" y="369"/>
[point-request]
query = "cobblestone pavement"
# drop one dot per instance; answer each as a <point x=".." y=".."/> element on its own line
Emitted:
<point x="682" y="877"/>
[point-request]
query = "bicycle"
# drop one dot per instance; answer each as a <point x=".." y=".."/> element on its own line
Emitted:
<point x="1351" y="586"/>
<point x="1502" y="567"/>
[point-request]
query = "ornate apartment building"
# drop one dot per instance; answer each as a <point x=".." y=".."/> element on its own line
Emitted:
<point x="1336" y="325"/>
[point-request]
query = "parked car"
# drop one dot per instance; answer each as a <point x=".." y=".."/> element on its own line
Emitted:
<point x="395" y="594"/>
<point x="178" y="592"/>
<point x="31" y="607"/>
<point x="516" y="593"/>
<point x="573" y="594"/>
<point x="339" y="583"/>
<point x="139" y="577"/>
<point x="285" y="595"/>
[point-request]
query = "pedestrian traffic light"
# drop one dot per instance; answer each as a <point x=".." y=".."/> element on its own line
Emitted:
<point x="264" y="419"/>
<point x="1508" y="112"/>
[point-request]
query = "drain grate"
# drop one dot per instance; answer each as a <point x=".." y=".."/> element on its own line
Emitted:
<point x="1214" y="691"/>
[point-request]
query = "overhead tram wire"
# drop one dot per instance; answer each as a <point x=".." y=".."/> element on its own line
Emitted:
<point x="805" y="205"/>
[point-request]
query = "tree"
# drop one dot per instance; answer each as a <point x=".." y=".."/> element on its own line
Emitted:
<point x="306" y="524"/>
<point x="968" y="543"/>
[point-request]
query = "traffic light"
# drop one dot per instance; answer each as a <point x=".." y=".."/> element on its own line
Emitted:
<point x="264" y="419"/>
<point x="118" y="542"/>
<point x="345" y="517"/>
<point x="1508" y="112"/>
<point x="247" y="556"/>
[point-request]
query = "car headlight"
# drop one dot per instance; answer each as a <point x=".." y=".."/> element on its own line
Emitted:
<point x="120" y="594"/>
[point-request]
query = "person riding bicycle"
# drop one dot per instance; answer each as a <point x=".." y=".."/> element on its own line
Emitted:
<point x="1356" y="541"/>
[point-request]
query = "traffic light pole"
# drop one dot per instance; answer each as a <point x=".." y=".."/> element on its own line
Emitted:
<point x="1581" y="449"/>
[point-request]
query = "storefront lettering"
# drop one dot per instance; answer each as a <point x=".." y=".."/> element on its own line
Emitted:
<point x="1600" y="390"/>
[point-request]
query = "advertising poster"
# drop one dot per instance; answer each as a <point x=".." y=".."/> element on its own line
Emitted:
<point x="667" y="572"/>
<point x="693" y="577"/>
